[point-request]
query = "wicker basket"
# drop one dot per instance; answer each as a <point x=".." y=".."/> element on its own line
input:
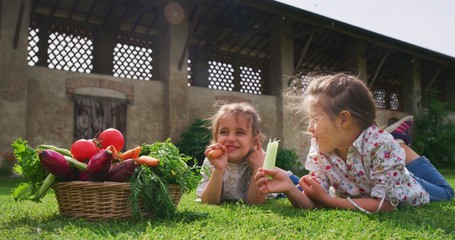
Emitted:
<point x="99" y="200"/>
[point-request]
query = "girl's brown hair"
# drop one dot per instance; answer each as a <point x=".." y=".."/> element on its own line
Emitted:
<point x="239" y="109"/>
<point x="336" y="93"/>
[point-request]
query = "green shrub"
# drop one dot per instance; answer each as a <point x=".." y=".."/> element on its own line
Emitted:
<point x="287" y="159"/>
<point x="434" y="132"/>
<point x="195" y="139"/>
<point x="6" y="167"/>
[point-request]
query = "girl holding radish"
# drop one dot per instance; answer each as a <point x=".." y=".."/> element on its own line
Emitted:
<point x="233" y="157"/>
<point x="367" y="169"/>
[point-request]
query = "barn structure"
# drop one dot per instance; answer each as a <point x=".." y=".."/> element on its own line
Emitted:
<point x="150" y="67"/>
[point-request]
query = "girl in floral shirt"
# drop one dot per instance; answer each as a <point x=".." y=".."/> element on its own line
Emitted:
<point x="364" y="166"/>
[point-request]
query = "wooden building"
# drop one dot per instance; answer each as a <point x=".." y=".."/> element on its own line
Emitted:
<point x="150" y="67"/>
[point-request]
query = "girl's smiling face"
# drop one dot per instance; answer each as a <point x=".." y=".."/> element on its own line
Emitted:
<point x="234" y="132"/>
<point x="323" y="130"/>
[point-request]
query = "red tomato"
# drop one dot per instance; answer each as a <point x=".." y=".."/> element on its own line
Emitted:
<point x="111" y="136"/>
<point x="83" y="149"/>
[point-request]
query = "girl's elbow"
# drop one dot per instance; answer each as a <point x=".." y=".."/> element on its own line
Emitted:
<point x="256" y="201"/>
<point x="210" y="201"/>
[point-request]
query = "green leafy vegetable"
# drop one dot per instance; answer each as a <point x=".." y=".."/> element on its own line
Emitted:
<point x="147" y="188"/>
<point x="29" y="166"/>
<point x="173" y="168"/>
<point x="150" y="184"/>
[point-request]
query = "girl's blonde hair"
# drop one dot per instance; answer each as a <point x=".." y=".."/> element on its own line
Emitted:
<point x="333" y="94"/>
<point x="243" y="109"/>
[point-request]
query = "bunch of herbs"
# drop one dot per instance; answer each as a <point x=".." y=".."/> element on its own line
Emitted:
<point x="149" y="185"/>
<point x="173" y="168"/>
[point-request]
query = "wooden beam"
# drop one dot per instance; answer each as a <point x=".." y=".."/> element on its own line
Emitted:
<point x="18" y="25"/>
<point x="188" y="38"/>
<point x="305" y="49"/>
<point x="434" y="77"/>
<point x="1" y="3"/>
<point x="378" y="70"/>
<point x="249" y="35"/>
<point x="73" y="9"/>
<point x="349" y="30"/>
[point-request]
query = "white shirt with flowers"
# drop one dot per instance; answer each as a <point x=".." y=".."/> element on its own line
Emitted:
<point x="375" y="167"/>
<point x="235" y="183"/>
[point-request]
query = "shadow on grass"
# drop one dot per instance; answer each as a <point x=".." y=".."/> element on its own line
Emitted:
<point x="56" y="223"/>
<point x="433" y="216"/>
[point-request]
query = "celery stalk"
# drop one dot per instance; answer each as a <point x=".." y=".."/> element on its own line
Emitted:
<point x="47" y="184"/>
<point x="270" y="155"/>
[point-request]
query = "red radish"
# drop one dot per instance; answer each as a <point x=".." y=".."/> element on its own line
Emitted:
<point x="214" y="153"/>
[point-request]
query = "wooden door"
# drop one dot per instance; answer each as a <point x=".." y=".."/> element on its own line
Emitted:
<point x="94" y="114"/>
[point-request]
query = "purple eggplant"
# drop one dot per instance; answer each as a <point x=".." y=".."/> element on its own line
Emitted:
<point x="98" y="166"/>
<point x="122" y="171"/>
<point x="56" y="164"/>
<point x="82" y="176"/>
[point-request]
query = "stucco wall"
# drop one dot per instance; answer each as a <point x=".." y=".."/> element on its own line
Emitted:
<point x="35" y="102"/>
<point x="202" y="100"/>
<point x="50" y="109"/>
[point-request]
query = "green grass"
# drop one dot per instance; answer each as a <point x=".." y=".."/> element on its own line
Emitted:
<point x="274" y="220"/>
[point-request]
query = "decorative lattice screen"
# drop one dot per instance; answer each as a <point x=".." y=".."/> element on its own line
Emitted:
<point x="394" y="101"/>
<point x="251" y="75"/>
<point x="379" y="96"/>
<point x="133" y="58"/>
<point x="70" y="48"/>
<point x="190" y="73"/>
<point x="32" y="48"/>
<point x="386" y="100"/>
<point x="221" y="73"/>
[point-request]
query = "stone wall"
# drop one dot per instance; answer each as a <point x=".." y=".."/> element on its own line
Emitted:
<point x="36" y="102"/>
<point x="50" y="118"/>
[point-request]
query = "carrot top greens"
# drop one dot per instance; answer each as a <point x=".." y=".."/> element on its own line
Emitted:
<point x="150" y="183"/>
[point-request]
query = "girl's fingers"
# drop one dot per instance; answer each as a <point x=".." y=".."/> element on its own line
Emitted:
<point x="306" y="183"/>
<point x="263" y="190"/>
<point x="270" y="172"/>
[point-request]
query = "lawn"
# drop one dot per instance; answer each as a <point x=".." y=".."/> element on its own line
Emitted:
<point x="274" y="220"/>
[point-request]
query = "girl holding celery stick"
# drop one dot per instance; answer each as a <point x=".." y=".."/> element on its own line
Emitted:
<point x="367" y="168"/>
<point x="233" y="157"/>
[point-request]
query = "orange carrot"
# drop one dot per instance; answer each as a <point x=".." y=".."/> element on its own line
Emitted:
<point x="114" y="151"/>
<point x="132" y="153"/>
<point x="214" y="153"/>
<point x="148" y="161"/>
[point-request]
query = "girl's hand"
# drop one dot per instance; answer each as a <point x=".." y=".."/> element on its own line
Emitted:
<point x="256" y="157"/>
<point x="281" y="183"/>
<point x="221" y="161"/>
<point x="313" y="189"/>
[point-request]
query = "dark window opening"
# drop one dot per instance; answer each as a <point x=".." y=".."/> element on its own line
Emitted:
<point x="94" y="114"/>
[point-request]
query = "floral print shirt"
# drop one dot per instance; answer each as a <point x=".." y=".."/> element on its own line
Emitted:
<point x="235" y="184"/>
<point x="375" y="167"/>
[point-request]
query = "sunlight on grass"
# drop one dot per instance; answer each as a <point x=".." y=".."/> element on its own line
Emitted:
<point x="276" y="219"/>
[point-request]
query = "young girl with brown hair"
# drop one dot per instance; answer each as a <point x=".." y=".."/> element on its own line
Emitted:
<point x="229" y="176"/>
<point x="364" y="165"/>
